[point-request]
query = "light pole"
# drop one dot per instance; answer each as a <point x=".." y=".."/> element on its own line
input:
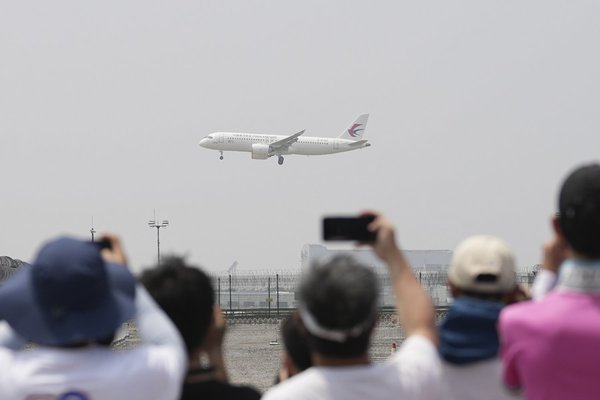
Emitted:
<point x="157" y="224"/>
<point x="92" y="230"/>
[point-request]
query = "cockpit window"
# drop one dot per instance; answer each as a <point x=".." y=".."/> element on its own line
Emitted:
<point x="210" y="137"/>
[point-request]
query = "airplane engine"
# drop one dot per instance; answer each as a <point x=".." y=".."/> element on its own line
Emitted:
<point x="260" y="151"/>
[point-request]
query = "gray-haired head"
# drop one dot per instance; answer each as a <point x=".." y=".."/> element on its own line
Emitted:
<point x="338" y="305"/>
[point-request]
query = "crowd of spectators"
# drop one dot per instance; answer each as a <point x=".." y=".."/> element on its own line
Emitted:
<point x="59" y="316"/>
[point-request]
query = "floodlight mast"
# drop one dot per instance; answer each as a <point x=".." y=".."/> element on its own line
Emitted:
<point x="157" y="224"/>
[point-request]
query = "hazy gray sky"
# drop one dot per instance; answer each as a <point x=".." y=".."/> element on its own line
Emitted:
<point x="478" y="110"/>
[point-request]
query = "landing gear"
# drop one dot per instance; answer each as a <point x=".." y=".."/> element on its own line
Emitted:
<point x="280" y="160"/>
<point x="220" y="158"/>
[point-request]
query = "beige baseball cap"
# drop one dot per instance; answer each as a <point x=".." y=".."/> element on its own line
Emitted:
<point x="483" y="264"/>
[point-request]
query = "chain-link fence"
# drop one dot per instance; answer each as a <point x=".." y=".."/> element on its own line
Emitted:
<point x="276" y="291"/>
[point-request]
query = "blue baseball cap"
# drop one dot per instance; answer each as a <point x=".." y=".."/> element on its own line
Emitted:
<point x="68" y="295"/>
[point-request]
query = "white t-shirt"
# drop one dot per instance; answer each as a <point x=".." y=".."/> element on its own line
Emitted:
<point x="152" y="371"/>
<point x="97" y="373"/>
<point x="412" y="373"/>
<point x="475" y="381"/>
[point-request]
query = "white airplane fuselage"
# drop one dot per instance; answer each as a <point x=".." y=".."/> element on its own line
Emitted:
<point x="310" y="146"/>
<point x="262" y="147"/>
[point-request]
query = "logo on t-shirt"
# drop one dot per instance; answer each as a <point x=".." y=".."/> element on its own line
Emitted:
<point x="71" y="395"/>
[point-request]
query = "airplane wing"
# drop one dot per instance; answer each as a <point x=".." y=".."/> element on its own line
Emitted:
<point x="285" y="143"/>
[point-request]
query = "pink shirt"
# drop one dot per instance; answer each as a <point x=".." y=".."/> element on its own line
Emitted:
<point x="551" y="348"/>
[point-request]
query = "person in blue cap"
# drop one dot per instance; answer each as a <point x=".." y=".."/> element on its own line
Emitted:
<point x="70" y="303"/>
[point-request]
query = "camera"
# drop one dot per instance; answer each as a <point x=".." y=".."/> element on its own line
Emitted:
<point x="348" y="228"/>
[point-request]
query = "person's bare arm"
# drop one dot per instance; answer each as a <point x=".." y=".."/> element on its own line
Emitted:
<point x="414" y="306"/>
<point x="213" y="345"/>
<point x="154" y="326"/>
<point x="555" y="251"/>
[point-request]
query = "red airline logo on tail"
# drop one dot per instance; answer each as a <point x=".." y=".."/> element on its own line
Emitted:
<point x="353" y="131"/>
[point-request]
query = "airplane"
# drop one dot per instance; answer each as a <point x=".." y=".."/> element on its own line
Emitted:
<point x="265" y="146"/>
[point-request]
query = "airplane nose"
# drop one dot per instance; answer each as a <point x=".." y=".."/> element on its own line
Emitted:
<point x="203" y="142"/>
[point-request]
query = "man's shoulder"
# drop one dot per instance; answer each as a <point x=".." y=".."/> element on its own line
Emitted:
<point x="417" y="364"/>
<point x="420" y="342"/>
<point x="419" y="349"/>
<point x="112" y="371"/>
<point x="472" y="381"/>
<point x="153" y="364"/>
<point x="6" y="358"/>
<point x="552" y="307"/>
<point x="532" y="319"/>
<point x="479" y="372"/>
<point x="524" y="312"/>
<point x="297" y="386"/>
<point x="414" y="369"/>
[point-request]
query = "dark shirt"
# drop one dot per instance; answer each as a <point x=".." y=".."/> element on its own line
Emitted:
<point x="218" y="391"/>
<point x="468" y="334"/>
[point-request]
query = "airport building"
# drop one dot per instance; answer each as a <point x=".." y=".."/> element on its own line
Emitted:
<point x="420" y="260"/>
<point x="430" y="267"/>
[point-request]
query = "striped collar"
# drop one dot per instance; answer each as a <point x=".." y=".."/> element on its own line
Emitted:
<point x="579" y="276"/>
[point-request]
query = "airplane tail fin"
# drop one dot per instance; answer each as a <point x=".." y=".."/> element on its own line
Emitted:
<point x="356" y="129"/>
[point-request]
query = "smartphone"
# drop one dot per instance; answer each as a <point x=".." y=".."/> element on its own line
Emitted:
<point x="103" y="244"/>
<point x="348" y="228"/>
